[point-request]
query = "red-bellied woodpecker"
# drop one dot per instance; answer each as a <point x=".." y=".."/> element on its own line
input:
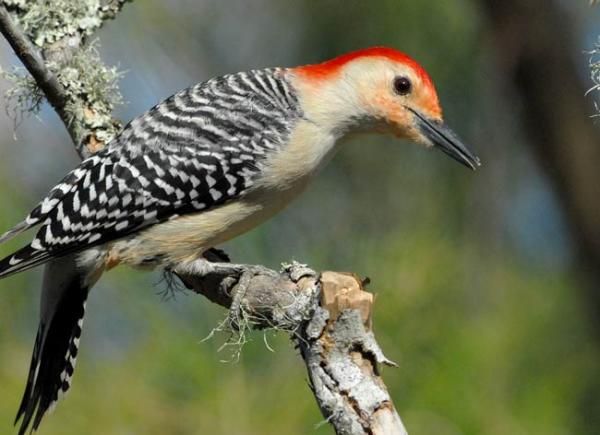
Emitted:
<point x="200" y="168"/>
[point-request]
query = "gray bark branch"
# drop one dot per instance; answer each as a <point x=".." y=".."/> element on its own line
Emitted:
<point x="35" y="64"/>
<point x="328" y="316"/>
<point x="87" y="117"/>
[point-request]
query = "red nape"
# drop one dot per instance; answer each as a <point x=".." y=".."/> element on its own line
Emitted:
<point x="333" y="65"/>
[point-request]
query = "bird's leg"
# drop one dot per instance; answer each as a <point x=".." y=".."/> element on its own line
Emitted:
<point x="233" y="278"/>
<point x="213" y="255"/>
<point x="237" y="314"/>
<point x="203" y="267"/>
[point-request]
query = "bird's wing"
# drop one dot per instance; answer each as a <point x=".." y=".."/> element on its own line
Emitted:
<point x="196" y="150"/>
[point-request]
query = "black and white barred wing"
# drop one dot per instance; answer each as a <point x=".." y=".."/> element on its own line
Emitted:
<point x="132" y="196"/>
<point x="198" y="149"/>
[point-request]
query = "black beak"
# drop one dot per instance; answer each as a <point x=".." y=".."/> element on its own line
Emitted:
<point x="445" y="139"/>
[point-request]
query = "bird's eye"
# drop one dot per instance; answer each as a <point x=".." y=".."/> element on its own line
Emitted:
<point x="402" y="85"/>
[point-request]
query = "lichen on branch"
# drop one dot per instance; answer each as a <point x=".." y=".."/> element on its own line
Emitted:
<point x="60" y="30"/>
<point x="595" y="73"/>
<point x="46" y="22"/>
<point x="94" y="91"/>
<point x="24" y="97"/>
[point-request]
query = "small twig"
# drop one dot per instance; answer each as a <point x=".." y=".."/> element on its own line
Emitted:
<point x="84" y="101"/>
<point x="35" y="64"/>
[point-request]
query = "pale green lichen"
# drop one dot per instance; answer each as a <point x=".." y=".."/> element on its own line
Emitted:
<point x="595" y="74"/>
<point x="60" y="29"/>
<point x="237" y="336"/>
<point x="25" y="95"/>
<point x="595" y="68"/>
<point x="85" y="78"/>
<point x="48" y="21"/>
<point x="17" y="4"/>
<point x="91" y="85"/>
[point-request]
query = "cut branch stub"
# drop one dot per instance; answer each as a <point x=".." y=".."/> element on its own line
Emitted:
<point x="343" y="358"/>
<point x="341" y="291"/>
<point x="329" y="319"/>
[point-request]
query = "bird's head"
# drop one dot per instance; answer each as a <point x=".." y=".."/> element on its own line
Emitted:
<point x="383" y="90"/>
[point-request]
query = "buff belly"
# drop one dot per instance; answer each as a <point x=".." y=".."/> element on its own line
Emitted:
<point x="185" y="238"/>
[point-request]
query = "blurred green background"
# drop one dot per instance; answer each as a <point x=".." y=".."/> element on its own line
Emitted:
<point x="487" y="288"/>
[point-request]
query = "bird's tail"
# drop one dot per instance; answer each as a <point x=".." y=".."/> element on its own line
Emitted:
<point x="23" y="259"/>
<point x="28" y="256"/>
<point x="41" y="211"/>
<point x="34" y="253"/>
<point x="65" y="290"/>
<point x="16" y="230"/>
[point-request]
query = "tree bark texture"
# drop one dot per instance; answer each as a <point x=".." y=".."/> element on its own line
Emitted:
<point x="328" y="316"/>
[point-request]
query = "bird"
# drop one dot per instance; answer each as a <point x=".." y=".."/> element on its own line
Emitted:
<point x="202" y="167"/>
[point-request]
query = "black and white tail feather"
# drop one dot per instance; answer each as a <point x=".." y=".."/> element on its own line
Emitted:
<point x="53" y="360"/>
<point x="13" y="264"/>
<point x="35" y="253"/>
<point x="64" y="294"/>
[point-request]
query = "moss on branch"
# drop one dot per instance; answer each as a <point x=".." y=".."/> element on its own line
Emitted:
<point x="60" y="29"/>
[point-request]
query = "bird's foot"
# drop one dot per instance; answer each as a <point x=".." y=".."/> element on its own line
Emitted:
<point x="203" y="267"/>
<point x="219" y="281"/>
<point x="238" y="317"/>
